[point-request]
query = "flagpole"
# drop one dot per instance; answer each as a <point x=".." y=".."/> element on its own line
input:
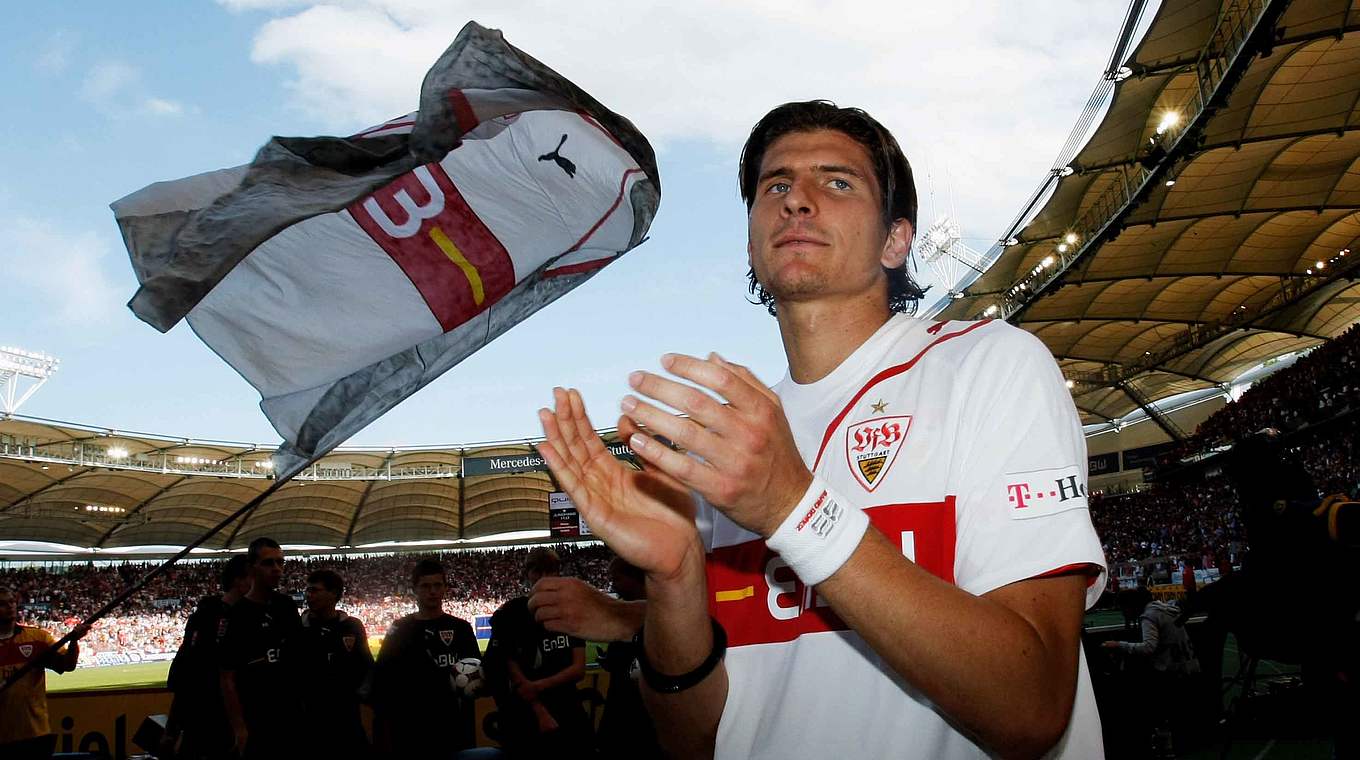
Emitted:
<point x="139" y="585"/>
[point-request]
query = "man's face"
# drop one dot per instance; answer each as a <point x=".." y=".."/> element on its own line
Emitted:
<point x="7" y="607"/>
<point x="267" y="572"/>
<point x="430" y="591"/>
<point x="320" y="598"/>
<point x="532" y="577"/>
<point x="816" y="226"/>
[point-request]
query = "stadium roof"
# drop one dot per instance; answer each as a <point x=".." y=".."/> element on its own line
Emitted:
<point x="88" y="487"/>
<point x="1208" y="223"/>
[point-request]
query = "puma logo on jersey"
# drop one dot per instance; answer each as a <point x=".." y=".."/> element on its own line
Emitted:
<point x="562" y="162"/>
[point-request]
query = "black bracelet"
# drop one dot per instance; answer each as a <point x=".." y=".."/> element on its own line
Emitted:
<point x="664" y="684"/>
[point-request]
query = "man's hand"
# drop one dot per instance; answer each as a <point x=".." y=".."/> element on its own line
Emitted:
<point x="750" y="468"/>
<point x="576" y="608"/>
<point x="645" y="517"/>
<point x="527" y="690"/>
<point x="546" y="723"/>
<point x="239" y="738"/>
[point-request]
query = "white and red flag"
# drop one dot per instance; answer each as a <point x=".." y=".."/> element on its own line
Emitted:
<point x="340" y="275"/>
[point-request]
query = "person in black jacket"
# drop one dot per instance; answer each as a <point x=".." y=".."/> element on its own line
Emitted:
<point x="331" y="661"/>
<point x="534" y="673"/>
<point x="257" y="691"/>
<point x="626" y="730"/>
<point x="196" y="722"/>
<point x="418" y="711"/>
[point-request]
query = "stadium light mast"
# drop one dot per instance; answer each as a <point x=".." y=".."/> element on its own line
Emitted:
<point x="22" y="373"/>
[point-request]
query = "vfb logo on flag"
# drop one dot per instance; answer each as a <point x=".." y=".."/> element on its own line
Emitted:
<point x="872" y="446"/>
<point x="423" y="222"/>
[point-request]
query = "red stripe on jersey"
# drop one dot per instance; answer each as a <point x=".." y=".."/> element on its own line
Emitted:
<point x="1090" y="570"/>
<point x="759" y="600"/>
<point x="462" y="111"/>
<point x="880" y="377"/>
<point x="456" y="263"/>
<point x="623" y="183"/>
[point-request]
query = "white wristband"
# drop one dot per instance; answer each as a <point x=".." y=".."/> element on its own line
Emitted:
<point x="820" y="534"/>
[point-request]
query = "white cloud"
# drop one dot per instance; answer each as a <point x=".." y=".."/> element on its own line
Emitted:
<point x="118" y="89"/>
<point x="55" y="54"/>
<point x="987" y="89"/>
<point x="107" y="81"/>
<point x="63" y="270"/>
<point x="162" y="107"/>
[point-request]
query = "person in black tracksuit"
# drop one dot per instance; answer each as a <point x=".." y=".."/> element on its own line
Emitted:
<point x="197" y="727"/>
<point x="533" y="672"/>
<point x="258" y="691"/>
<point x="331" y="661"/>
<point x="626" y="730"/>
<point x="418" y="711"/>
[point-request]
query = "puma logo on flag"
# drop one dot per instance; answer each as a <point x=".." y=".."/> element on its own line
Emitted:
<point x="565" y="164"/>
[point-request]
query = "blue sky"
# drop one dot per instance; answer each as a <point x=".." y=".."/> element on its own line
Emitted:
<point x="102" y="99"/>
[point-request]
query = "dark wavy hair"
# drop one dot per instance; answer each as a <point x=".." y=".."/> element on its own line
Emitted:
<point x="891" y="170"/>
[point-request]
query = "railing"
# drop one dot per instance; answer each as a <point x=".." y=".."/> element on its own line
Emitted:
<point x="74" y="455"/>
<point x="1236" y="25"/>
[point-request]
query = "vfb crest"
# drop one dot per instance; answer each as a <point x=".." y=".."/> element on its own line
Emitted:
<point x="872" y="446"/>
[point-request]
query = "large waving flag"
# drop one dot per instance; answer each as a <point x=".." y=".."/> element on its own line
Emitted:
<point x="340" y="275"/>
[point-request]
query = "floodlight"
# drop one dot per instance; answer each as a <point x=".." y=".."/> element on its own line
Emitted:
<point x="1321" y="265"/>
<point x="1047" y="262"/>
<point x="1169" y="120"/>
<point x="1062" y="247"/>
<point x="1070" y="238"/>
<point x="22" y="368"/>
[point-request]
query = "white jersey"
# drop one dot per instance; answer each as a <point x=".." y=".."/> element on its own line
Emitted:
<point x="962" y="444"/>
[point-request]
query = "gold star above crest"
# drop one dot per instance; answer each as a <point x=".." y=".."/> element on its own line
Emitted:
<point x="880" y="406"/>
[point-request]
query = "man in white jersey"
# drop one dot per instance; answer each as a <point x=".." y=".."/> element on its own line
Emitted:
<point x="893" y="543"/>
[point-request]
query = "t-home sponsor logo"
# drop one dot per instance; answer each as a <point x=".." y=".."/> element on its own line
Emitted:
<point x="1044" y="492"/>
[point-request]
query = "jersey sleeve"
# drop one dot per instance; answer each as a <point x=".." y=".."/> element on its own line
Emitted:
<point x="363" y="656"/>
<point x="467" y="641"/>
<point x="385" y="675"/>
<point x="1019" y="469"/>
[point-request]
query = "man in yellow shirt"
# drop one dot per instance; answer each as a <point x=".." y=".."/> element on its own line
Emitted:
<point x="24" y="731"/>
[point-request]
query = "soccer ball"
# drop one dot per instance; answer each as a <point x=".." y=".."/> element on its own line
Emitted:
<point x="467" y="676"/>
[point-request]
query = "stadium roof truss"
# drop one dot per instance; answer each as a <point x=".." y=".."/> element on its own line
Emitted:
<point x="1208" y="223"/>
<point x="105" y="489"/>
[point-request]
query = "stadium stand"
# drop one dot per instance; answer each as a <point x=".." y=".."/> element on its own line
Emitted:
<point x="377" y="592"/>
<point x="1314" y="401"/>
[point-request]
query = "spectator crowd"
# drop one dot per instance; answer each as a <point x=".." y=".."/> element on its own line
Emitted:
<point x="150" y="625"/>
<point x="1314" y="402"/>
